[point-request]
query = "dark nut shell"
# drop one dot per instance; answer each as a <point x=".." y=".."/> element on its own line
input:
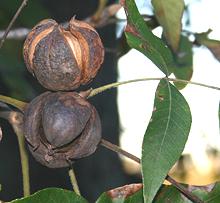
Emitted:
<point x="63" y="58"/>
<point x="60" y="128"/>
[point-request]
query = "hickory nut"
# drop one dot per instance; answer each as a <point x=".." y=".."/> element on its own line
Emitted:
<point x="60" y="128"/>
<point x="63" y="57"/>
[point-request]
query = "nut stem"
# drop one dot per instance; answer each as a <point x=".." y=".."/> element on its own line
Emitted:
<point x="74" y="181"/>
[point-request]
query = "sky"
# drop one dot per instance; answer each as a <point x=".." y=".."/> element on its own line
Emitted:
<point x="135" y="100"/>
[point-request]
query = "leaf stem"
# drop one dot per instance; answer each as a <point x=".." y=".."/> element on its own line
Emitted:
<point x="73" y="181"/>
<point x="14" y="102"/>
<point x="24" y="164"/>
<point x="23" y="4"/>
<point x="181" y="188"/>
<point x="116" y="84"/>
<point x="193" y="83"/>
<point x="16" y="120"/>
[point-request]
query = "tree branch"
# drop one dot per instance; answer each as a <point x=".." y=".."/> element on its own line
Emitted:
<point x="180" y="187"/>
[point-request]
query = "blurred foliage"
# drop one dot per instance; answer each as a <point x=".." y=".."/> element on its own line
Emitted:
<point x="13" y="73"/>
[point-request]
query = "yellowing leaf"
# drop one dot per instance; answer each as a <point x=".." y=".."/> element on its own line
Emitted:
<point x="211" y="44"/>
<point x="169" y="14"/>
<point x="126" y="194"/>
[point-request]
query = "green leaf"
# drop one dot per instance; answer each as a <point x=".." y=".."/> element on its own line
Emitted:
<point x="127" y="194"/>
<point x="211" y="44"/>
<point x="140" y="37"/>
<point x="165" y="137"/>
<point x="104" y="198"/>
<point x="183" y="62"/>
<point x="214" y="195"/>
<point x="169" y="194"/>
<point x="209" y="194"/>
<point x="52" y="195"/>
<point x="169" y="14"/>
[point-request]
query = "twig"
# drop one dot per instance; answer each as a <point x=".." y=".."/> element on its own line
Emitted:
<point x="23" y="4"/>
<point x="18" y="33"/>
<point x="181" y="188"/>
<point x="118" y="150"/>
<point x="74" y="181"/>
<point x="16" y="120"/>
<point x="116" y="84"/>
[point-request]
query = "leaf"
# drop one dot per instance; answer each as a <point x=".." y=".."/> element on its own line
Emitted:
<point x="52" y="195"/>
<point x="168" y="194"/>
<point x="169" y="14"/>
<point x="126" y="194"/>
<point x="14" y="102"/>
<point x="165" y="137"/>
<point x="123" y="47"/>
<point x="183" y="62"/>
<point x="214" y="195"/>
<point x="209" y="194"/>
<point x="140" y="37"/>
<point x="211" y="44"/>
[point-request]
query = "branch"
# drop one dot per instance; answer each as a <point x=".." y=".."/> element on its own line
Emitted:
<point x="23" y="4"/>
<point x="181" y="188"/>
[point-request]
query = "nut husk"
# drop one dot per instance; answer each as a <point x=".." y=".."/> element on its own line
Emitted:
<point x="63" y="57"/>
<point x="60" y="128"/>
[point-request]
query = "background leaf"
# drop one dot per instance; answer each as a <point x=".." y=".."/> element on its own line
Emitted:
<point x="183" y="62"/>
<point x="169" y="194"/>
<point x="214" y="195"/>
<point x="140" y="37"/>
<point x="165" y="137"/>
<point x="169" y="15"/>
<point x="209" y="194"/>
<point x="211" y="44"/>
<point x="52" y="195"/>
<point x="126" y="194"/>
